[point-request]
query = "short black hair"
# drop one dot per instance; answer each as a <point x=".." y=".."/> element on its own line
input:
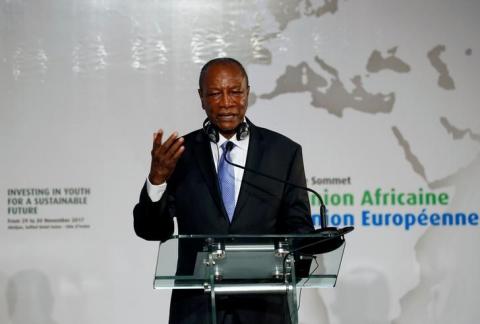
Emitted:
<point x="220" y="60"/>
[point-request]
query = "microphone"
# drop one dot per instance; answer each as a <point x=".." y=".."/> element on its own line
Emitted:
<point x="305" y="248"/>
<point x="323" y="210"/>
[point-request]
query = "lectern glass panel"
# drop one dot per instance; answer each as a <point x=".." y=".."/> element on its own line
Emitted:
<point x="243" y="259"/>
<point x="240" y="264"/>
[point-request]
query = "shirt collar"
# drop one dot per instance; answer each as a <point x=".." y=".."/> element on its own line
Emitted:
<point x="243" y="144"/>
<point x="240" y="144"/>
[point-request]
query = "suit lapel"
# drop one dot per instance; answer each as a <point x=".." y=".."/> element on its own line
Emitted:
<point x="254" y="158"/>
<point x="204" y="160"/>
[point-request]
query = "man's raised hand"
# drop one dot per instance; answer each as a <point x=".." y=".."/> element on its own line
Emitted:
<point x="164" y="157"/>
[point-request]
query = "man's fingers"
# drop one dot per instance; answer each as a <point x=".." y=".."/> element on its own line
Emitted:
<point x="178" y="153"/>
<point x="158" y="147"/>
<point x="166" y="153"/>
<point x="170" y="152"/>
<point x="171" y="139"/>
<point x="157" y="138"/>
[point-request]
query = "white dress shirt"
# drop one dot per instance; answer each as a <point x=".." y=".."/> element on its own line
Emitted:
<point x="238" y="155"/>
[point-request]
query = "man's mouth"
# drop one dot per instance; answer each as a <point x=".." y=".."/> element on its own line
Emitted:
<point x="226" y="117"/>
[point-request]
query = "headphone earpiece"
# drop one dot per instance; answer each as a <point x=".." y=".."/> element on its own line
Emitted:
<point x="211" y="131"/>
<point x="242" y="131"/>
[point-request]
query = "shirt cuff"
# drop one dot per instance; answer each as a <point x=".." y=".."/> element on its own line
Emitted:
<point x="155" y="192"/>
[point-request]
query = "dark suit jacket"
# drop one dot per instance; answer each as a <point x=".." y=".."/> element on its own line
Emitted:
<point x="264" y="206"/>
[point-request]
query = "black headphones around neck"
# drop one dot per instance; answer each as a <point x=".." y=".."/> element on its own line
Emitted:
<point x="212" y="131"/>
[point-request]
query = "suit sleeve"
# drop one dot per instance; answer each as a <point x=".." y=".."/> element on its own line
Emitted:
<point x="153" y="221"/>
<point x="296" y="215"/>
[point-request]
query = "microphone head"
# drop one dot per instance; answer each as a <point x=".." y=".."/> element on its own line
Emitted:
<point x="332" y="238"/>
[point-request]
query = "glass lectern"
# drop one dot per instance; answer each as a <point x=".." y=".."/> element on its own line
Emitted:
<point x="238" y="264"/>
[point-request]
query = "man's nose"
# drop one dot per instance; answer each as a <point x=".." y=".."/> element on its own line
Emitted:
<point x="227" y="99"/>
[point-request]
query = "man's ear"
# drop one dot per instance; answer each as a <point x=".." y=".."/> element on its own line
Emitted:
<point x="201" y="98"/>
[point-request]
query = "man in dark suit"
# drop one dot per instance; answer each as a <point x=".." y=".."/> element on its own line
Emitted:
<point x="183" y="183"/>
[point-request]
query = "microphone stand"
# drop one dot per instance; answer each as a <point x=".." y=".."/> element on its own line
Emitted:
<point x="323" y="210"/>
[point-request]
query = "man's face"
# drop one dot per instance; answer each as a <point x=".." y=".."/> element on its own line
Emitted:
<point x="224" y="97"/>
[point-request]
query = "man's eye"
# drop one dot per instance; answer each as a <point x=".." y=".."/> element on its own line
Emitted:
<point x="213" y="94"/>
